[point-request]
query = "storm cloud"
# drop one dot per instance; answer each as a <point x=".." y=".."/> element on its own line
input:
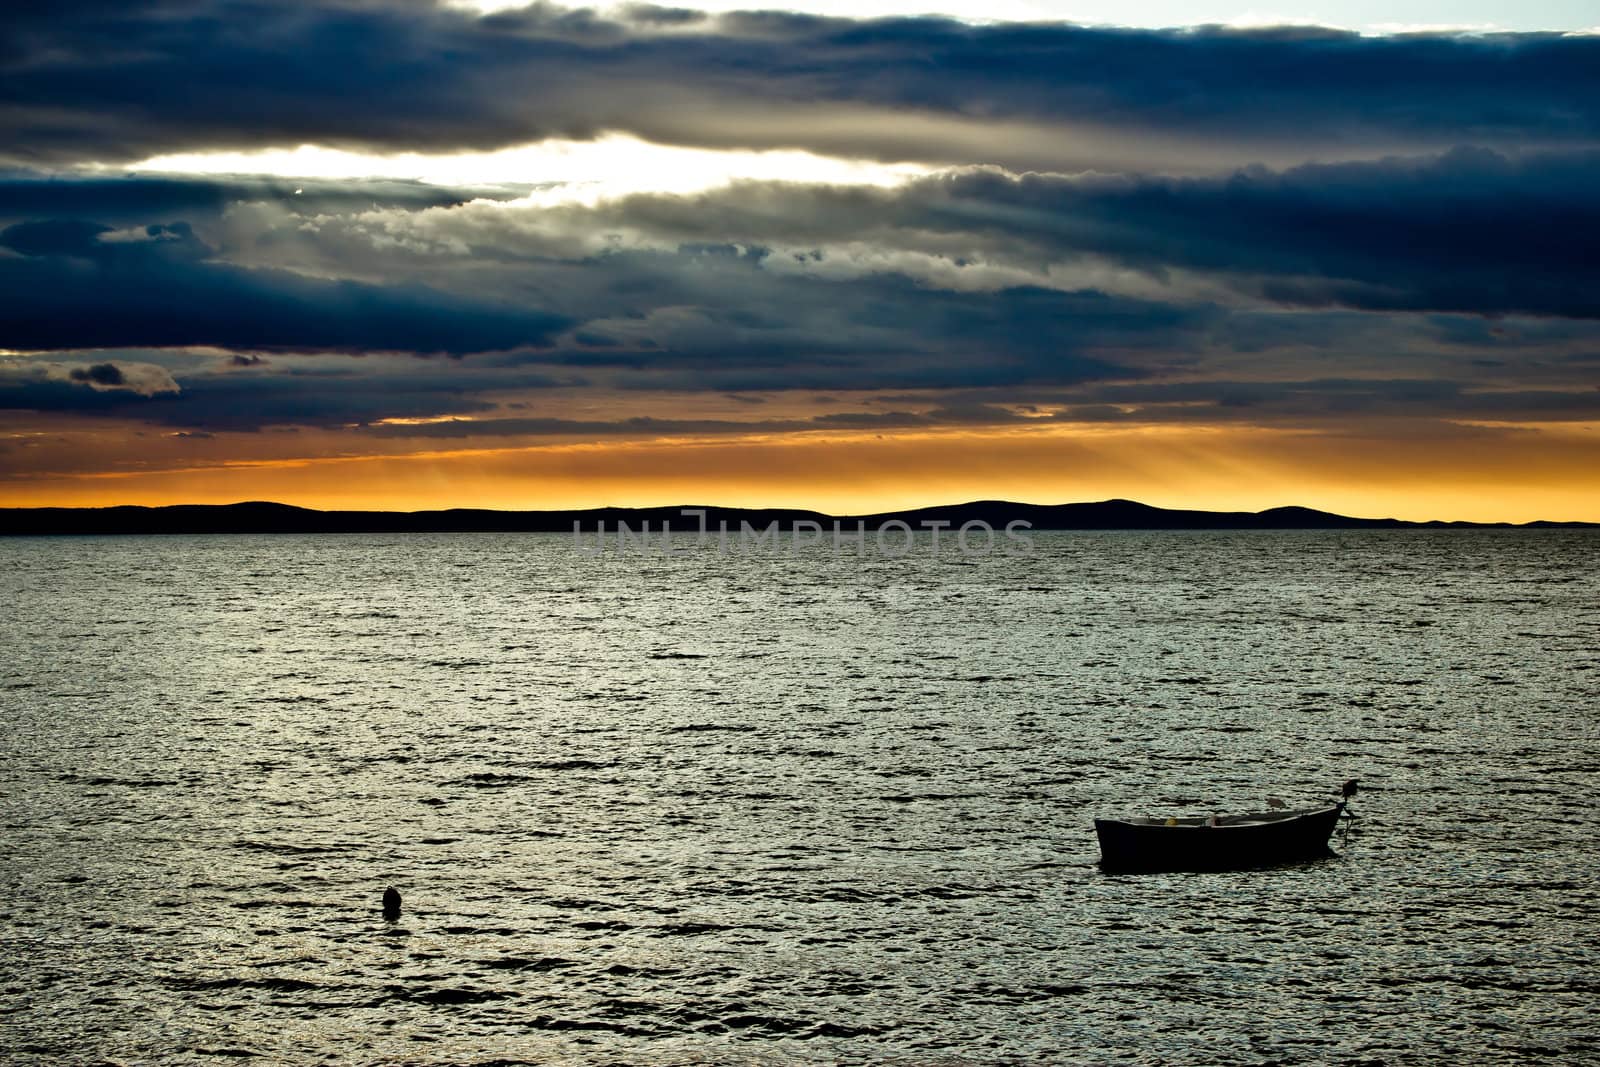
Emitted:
<point x="122" y="199"/>
<point x="76" y="284"/>
<point x="115" y="83"/>
<point x="1468" y="231"/>
<point x="1283" y="227"/>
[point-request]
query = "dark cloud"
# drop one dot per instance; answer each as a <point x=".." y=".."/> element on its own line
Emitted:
<point x="30" y="392"/>
<point x="647" y="426"/>
<point x="348" y="395"/>
<point x="1165" y="283"/>
<point x="121" y="200"/>
<point x="787" y="334"/>
<point x="321" y="391"/>
<point x="1329" y="405"/>
<point x="82" y="285"/>
<point x="54" y="237"/>
<point x="119" y="82"/>
<point x="107" y="387"/>
<point x="740" y="316"/>
<point x="100" y="374"/>
<point x="1469" y="231"/>
<point x="736" y="327"/>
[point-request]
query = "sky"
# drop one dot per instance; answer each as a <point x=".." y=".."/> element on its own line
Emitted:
<point x="404" y="254"/>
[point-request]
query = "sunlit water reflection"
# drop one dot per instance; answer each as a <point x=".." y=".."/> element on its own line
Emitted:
<point x="753" y="808"/>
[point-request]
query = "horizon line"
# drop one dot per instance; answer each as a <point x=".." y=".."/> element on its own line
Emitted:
<point x="689" y="511"/>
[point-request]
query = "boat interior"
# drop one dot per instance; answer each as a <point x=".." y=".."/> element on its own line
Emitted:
<point x="1256" y="819"/>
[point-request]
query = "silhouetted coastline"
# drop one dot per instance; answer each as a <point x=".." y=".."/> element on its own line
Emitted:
<point x="267" y="517"/>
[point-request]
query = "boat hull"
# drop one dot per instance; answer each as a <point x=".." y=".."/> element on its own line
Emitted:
<point x="1235" y="843"/>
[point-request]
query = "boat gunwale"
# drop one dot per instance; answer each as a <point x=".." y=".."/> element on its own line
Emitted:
<point x="1252" y="820"/>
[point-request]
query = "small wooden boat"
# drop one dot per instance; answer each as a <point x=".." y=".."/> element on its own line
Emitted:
<point x="1217" y="843"/>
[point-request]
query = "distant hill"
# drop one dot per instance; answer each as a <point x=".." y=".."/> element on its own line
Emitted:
<point x="264" y="517"/>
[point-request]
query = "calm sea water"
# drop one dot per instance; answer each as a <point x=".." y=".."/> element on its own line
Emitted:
<point x="763" y="809"/>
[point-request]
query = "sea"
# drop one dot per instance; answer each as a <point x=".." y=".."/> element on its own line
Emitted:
<point x="785" y="804"/>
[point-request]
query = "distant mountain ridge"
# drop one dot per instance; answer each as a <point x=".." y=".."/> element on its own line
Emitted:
<point x="268" y="517"/>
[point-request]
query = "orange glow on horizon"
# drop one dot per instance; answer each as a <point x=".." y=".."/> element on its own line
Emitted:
<point x="1481" y="474"/>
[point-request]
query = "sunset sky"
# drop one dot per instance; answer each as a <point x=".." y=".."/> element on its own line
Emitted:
<point x="405" y="254"/>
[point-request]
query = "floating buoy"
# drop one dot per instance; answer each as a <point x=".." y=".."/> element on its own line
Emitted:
<point x="391" y="903"/>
